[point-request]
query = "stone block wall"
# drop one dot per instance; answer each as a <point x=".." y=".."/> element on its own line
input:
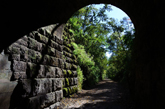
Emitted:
<point x="38" y="70"/>
<point x="70" y="67"/>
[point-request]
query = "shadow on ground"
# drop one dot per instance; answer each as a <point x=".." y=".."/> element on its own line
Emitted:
<point x="107" y="94"/>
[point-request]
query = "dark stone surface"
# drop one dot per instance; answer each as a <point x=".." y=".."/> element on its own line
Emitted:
<point x="41" y="71"/>
<point x="58" y="54"/>
<point x="59" y="95"/>
<point x="51" y="51"/>
<point x="42" y="86"/>
<point x="59" y="73"/>
<point x="50" y="72"/>
<point x="36" y="65"/>
<point x="19" y="66"/>
<point x="41" y="38"/>
<point x="54" y="61"/>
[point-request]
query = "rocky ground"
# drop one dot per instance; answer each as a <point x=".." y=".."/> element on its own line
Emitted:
<point x="107" y="94"/>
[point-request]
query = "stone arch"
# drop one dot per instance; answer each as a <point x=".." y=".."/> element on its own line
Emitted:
<point x="148" y="79"/>
<point x="29" y="16"/>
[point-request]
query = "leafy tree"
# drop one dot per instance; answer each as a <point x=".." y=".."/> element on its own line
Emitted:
<point x="121" y="47"/>
<point x="90" y="30"/>
<point x="94" y="35"/>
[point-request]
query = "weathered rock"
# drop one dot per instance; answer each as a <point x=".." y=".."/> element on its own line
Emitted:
<point x="42" y="31"/>
<point x="36" y="102"/>
<point x="19" y="66"/>
<point x="59" y="41"/>
<point x="67" y="49"/>
<point x="19" y="75"/>
<point x="64" y="73"/>
<point x="25" y="38"/>
<point x="13" y="49"/>
<point x="58" y="54"/>
<point x="42" y="86"/>
<point x="67" y="66"/>
<point x="54" y="38"/>
<point x="61" y="63"/>
<point x="75" y="81"/>
<point x="69" y="73"/>
<point x="31" y="70"/>
<point x="74" y="73"/>
<point x="67" y="82"/>
<point x="69" y="60"/>
<point x="53" y="44"/>
<point x="38" y="57"/>
<point x="59" y="95"/>
<point x="22" y="42"/>
<point x="26" y="87"/>
<point x="50" y="71"/>
<point x="55" y="105"/>
<point x="53" y="61"/>
<point x="31" y="56"/>
<point x="32" y="44"/>
<point x="51" y="51"/>
<point x="46" y="59"/>
<point x="60" y="48"/>
<point x="58" y="82"/>
<point x="59" y="73"/>
<point x="32" y="34"/>
<point x="41" y="72"/>
<point x="67" y="54"/>
<point x="71" y="81"/>
<point x="49" y="99"/>
<point x="74" y="67"/>
<point x="42" y="38"/>
<point x="39" y="47"/>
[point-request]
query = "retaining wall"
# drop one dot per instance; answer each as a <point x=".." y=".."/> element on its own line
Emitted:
<point x="35" y="70"/>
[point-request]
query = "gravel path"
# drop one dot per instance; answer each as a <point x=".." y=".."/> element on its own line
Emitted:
<point x="107" y="94"/>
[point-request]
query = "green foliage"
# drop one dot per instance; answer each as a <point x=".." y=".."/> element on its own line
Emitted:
<point x="94" y="35"/>
<point x="83" y="58"/>
<point x="104" y="74"/>
<point x="87" y="64"/>
<point x="120" y="62"/>
<point x="80" y="78"/>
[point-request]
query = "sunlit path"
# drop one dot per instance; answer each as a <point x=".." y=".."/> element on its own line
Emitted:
<point x="105" y="95"/>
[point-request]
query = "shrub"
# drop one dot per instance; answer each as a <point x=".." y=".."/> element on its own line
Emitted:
<point x="80" y="78"/>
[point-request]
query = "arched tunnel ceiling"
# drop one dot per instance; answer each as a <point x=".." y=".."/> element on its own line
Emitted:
<point x="20" y="18"/>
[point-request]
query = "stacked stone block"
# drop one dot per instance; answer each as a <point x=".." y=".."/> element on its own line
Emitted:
<point x="36" y="64"/>
<point x="70" y="66"/>
<point x="37" y="70"/>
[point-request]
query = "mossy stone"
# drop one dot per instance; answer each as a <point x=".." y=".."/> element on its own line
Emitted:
<point x="69" y="73"/>
<point x="65" y="73"/>
<point x="69" y="90"/>
<point x="65" y="92"/>
<point x="67" y="81"/>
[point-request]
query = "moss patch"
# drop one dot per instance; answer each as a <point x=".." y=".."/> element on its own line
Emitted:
<point x="67" y="81"/>
<point x="69" y="73"/>
<point x="65" y="92"/>
<point x="65" y="73"/>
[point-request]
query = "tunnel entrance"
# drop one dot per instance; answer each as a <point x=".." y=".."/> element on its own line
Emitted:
<point x="148" y="55"/>
<point x="94" y="33"/>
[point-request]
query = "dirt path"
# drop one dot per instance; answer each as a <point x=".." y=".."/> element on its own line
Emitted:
<point x="107" y="94"/>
